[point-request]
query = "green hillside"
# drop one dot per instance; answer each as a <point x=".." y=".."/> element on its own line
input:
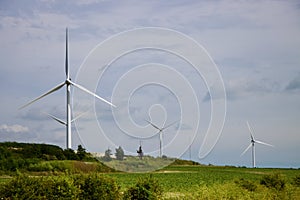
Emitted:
<point x="27" y="157"/>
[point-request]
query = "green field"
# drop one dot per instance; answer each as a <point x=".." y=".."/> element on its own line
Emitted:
<point x="208" y="182"/>
<point x="189" y="181"/>
<point x="40" y="171"/>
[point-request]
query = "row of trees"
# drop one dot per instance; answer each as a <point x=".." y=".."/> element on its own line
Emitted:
<point x="40" y="151"/>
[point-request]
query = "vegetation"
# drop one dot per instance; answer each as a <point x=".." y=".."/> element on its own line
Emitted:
<point x="46" y="158"/>
<point x="147" y="188"/>
<point x="107" y="155"/>
<point x="119" y="153"/>
<point x="92" y="186"/>
<point x="47" y="174"/>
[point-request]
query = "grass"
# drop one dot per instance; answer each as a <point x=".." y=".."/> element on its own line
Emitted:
<point x="189" y="181"/>
<point x="186" y="179"/>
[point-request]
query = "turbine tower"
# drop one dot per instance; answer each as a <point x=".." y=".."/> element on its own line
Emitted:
<point x="160" y="130"/>
<point x="68" y="84"/>
<point x="252" y="144"/>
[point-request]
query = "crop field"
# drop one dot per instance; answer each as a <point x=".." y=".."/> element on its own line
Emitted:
<point x="189" y="182"/>
<point x="211" y="182"/>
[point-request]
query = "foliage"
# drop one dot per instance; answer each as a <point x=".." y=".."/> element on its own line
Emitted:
<point x="95" y="186"/>
<point x="184" y="162"/>
<point x="107" y="155"/>
<point x="26" y="150"/>
<point x="119" y="153"/>
<point x="246" y="184"/>
<point x="296" y="181"/>
<point x="177" y="182"/>
<point x="70" y="166"/>
<point x="81" y="152"/>
<point x="70" y="154"/>
<point x="147" y="188"/>
<point x="274" y="180"/>
<point x="91" y="186"/>
<point x="24" y="187"/>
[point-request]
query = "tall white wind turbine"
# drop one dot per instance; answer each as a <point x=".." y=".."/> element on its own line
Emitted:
<point x="160" y="131"/>
<point x="68" y="84"/>
<point x="252" y="143"/>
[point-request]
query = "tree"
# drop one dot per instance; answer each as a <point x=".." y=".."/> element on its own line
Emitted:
<point x="81" y="153"/>
<point x="70" y="154"/>
<point x="119" y="153"/>
<point x="107" y="155"/>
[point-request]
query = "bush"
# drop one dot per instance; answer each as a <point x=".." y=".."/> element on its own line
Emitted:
<point x="248" y="185"/>
<point x="148" y="188"/>
<point x="94" y="186"/>
<point x="296" y="181"/>
<point x="273" y="181"/>
<point x="40" y="167"/>
<point x="60" y="187"/>
<point x="24" y="187"/>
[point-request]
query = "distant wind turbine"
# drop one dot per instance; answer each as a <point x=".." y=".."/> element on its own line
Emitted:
<point x="160" y="131"/>
<point x="253" y="141"/>
<point x="68" y="83"/>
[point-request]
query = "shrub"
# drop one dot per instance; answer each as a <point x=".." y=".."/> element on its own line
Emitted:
<point x="95" y="186"/>
<point x="91" y="186"/>
<point x="148" y="188"/>
<point x="296" y="181"/>
<point x="248" y="185"/>
<point x="24" y="187"/>
<point x="273" y="181"/>
<point x="40" y="167"/>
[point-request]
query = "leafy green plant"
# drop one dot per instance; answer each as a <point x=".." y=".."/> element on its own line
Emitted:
<point x="274" y="180"/>
<point x="147" y="188"/>
<point x="95" y="186"/>
<point x="246" y="184"/>
<point x="25" y="187"/>
<point x="296" y="181"/>
<point x="92" y="186"/>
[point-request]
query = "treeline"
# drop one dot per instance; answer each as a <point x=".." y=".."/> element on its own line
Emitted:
<point x="15" y="155"/>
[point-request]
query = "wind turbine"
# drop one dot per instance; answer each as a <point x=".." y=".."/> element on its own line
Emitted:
<point x="253" y="141"/>
<point x="160" y="130"/>
<point x="68" y="84"/>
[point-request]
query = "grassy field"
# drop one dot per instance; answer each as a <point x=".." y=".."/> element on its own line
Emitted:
<point x="209" y="182"/>
<point x="187" y="179"/>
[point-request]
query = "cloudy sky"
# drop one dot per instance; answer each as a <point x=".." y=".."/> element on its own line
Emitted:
<point x="255" y="47"/>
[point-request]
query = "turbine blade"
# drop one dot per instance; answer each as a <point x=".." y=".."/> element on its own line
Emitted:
<point x="152" y="124"/>
<point x="49" y="92"/>
<point x="246" y="149"/>
<point x="79" y="116"/>
<point x="91" y="93"/>
<point x="260" y="142"/>
<point x="169" y="125"/>
<point x="56" y="119"/>
<point x="67" y="56"/>
<point x="251" y="131"/>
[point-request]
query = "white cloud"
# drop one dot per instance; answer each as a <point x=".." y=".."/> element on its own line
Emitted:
<point x="16" y="128"/>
